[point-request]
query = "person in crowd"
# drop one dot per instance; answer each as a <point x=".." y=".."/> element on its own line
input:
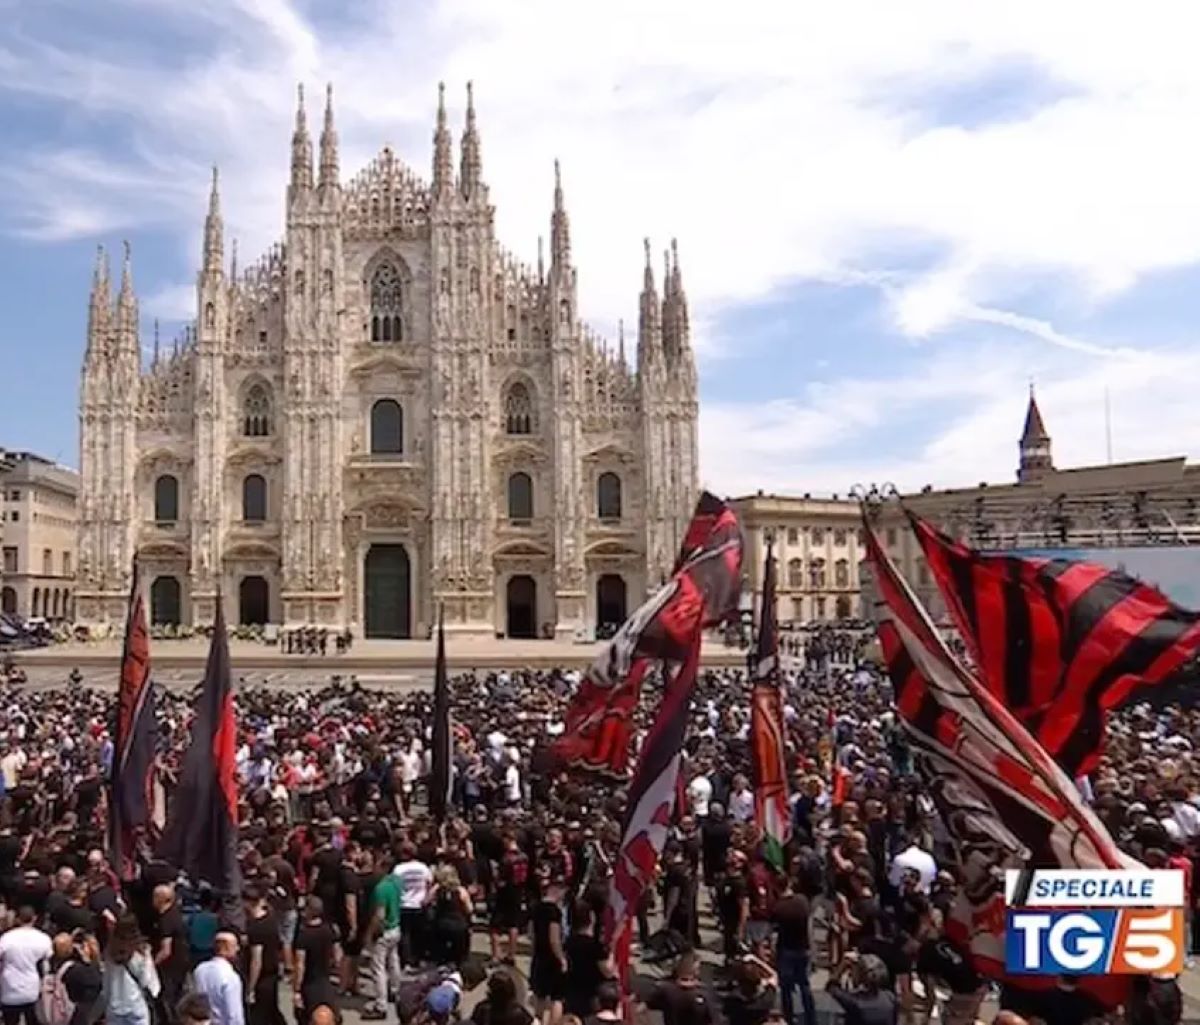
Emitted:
<point x="859" y="986"/>
<point x="589" y="962"/>
<point x="450" y="909"/>
<point x="501" y="1006"/>
<point x="415" y="878"/>
<point x="263" y="959"/>
<point x="82" y="980"/>
<point x="194" y="1009"/>
<point x="24" y="954"/>
<point x="548" y="967"/>
<point x="317" y="955"/>
<point x="170" y="945"/>
<point x="218" y="980"/>
<point x="681" y="999"/>
<point x="131" y="987"/>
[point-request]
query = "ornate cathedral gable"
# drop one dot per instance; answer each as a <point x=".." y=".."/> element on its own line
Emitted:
<point x="402" y="361"/>
<point x="386" y="196"/>
<point x="518" y="453"/>
<point x="249" y="550"/>
<point x="388" y="516"/>
<point x="521" y="548"/>
<point x="610" y="452"/>
<point x="163" y="460"/>
<point x="162" y="551"/>
<point x="249" y="453"/>
<point x="609" y="548"/>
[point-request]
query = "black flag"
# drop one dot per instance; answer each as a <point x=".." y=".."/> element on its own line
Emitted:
<point x="202" y="825"/>
<point x="439" y="781"/>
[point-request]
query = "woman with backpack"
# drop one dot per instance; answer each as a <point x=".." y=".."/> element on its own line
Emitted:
<point x="131" y="987"/>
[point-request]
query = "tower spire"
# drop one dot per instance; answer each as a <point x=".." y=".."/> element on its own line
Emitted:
<point x="1036" y="457"/>
<point x="329" y="144"/>
<point x="99" y="304"/>
<point x="560" y="225"/>
<point x="675" y="315"/>
<point x="126" y="275"/>
<point x="443" y="161"/>
<point x="621" y="342"/>
<point x="301" y="146"/>
<point x="127" y="315"/>
<point x="471" y="173"/>
<point x="214" y="229"/>
<point x="233" y="266"/>
<point x="541" y="259"/>
<point x="649" y="316"/>
<point x="156" y="342"/>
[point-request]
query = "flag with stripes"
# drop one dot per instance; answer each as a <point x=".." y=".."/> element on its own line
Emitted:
<point x="131" y="794"/>
<point x="704" y="588"/>
<point x="1059" y="642"/>
<point x="1002" y="798"/>
<point x="768" y="741"/>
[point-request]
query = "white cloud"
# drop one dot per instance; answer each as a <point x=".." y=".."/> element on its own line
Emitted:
<point x="773" y="141"/>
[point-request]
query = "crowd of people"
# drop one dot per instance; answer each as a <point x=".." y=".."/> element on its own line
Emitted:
<point x="353" y="897"/>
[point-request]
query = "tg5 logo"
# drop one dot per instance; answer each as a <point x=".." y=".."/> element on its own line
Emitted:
<point x="1098" y="941"/>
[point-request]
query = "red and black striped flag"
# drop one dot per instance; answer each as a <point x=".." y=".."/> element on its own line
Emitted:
<point x="1059" y="642"/>
<point x="703" y="590"/>
<point x="1000" y="796"/>
<point x="202" y="823"/>
<point x="130" y="786"/>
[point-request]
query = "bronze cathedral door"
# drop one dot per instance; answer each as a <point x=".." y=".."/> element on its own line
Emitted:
<point x="386" y="598"/>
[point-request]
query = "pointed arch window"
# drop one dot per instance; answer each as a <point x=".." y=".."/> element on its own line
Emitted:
<point x="166" y="499"/>
<point x="387" y="428"/>
<point x="518" y="410"/>
<point x="608" y="496"/>
<point x="256" y="413"/>
<point x="387" y="304"/>
<point x="254" y="498"/>
<point x="520" y="497"/>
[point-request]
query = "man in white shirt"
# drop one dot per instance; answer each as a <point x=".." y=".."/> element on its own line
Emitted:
<point x="512" y="778"/>
<point x="22" y="953"/>
<point x="12" y="763"/>
<point x="741" y="801"/>
<point x="415" y="880"/>
<point x="218" y="980"/>
<point x="699" y="793"/>
<point x="915" y="859"/>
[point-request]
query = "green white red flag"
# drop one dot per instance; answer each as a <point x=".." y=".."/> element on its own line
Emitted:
<point x="767" y="737"/>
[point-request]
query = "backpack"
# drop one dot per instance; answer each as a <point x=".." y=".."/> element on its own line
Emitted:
<point x="54" y="1007"/>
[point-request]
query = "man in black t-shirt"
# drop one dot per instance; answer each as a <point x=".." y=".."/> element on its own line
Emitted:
<point x="73" y="912"/>
<point x="261" y="969"/>
<point x="316" y="951"/>
<point x="169" y="938"/>
<point x="681" y="999"/>
<point x="793" y="961"/>
<point x="733" y="902"/>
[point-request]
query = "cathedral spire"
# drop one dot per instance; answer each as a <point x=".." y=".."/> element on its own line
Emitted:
<point x="214" y="229"/>
<point x="541" y="259"/>
<point x="126" y="295"/>
<point x="649" y="316"/>
<point x="127" y="314"/>
<point x="100" y="304"/>
<point x="443" y="160"/>
<point x="301" y="146"/>
<point x="560" y="225"/>
<point x="621" y="342"/>
<point x="156" y="342"/>
<point x="471" y="174"/>
<point x="329" y="144"/>
<point x="233" y="266"/>
<point x="675" y="314"/>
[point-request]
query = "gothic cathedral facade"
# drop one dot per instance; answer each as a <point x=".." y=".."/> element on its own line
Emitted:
<point x="386" y="414"/>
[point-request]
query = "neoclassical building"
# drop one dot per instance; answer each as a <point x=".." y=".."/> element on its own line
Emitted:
<point x="386" y="413"/>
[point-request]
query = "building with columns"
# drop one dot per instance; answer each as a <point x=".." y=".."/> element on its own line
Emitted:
<point x="386" y="413"/>
<point x="817" y="547"/>
<point x="37" y="536"/>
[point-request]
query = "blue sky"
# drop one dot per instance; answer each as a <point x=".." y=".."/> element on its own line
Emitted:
<point x="891" y="217"/>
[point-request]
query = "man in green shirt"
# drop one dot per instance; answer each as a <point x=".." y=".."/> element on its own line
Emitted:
<point x="385" y="928"/>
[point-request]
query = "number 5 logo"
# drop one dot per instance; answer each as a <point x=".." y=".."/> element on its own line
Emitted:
<point x="1152" y="942"/>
